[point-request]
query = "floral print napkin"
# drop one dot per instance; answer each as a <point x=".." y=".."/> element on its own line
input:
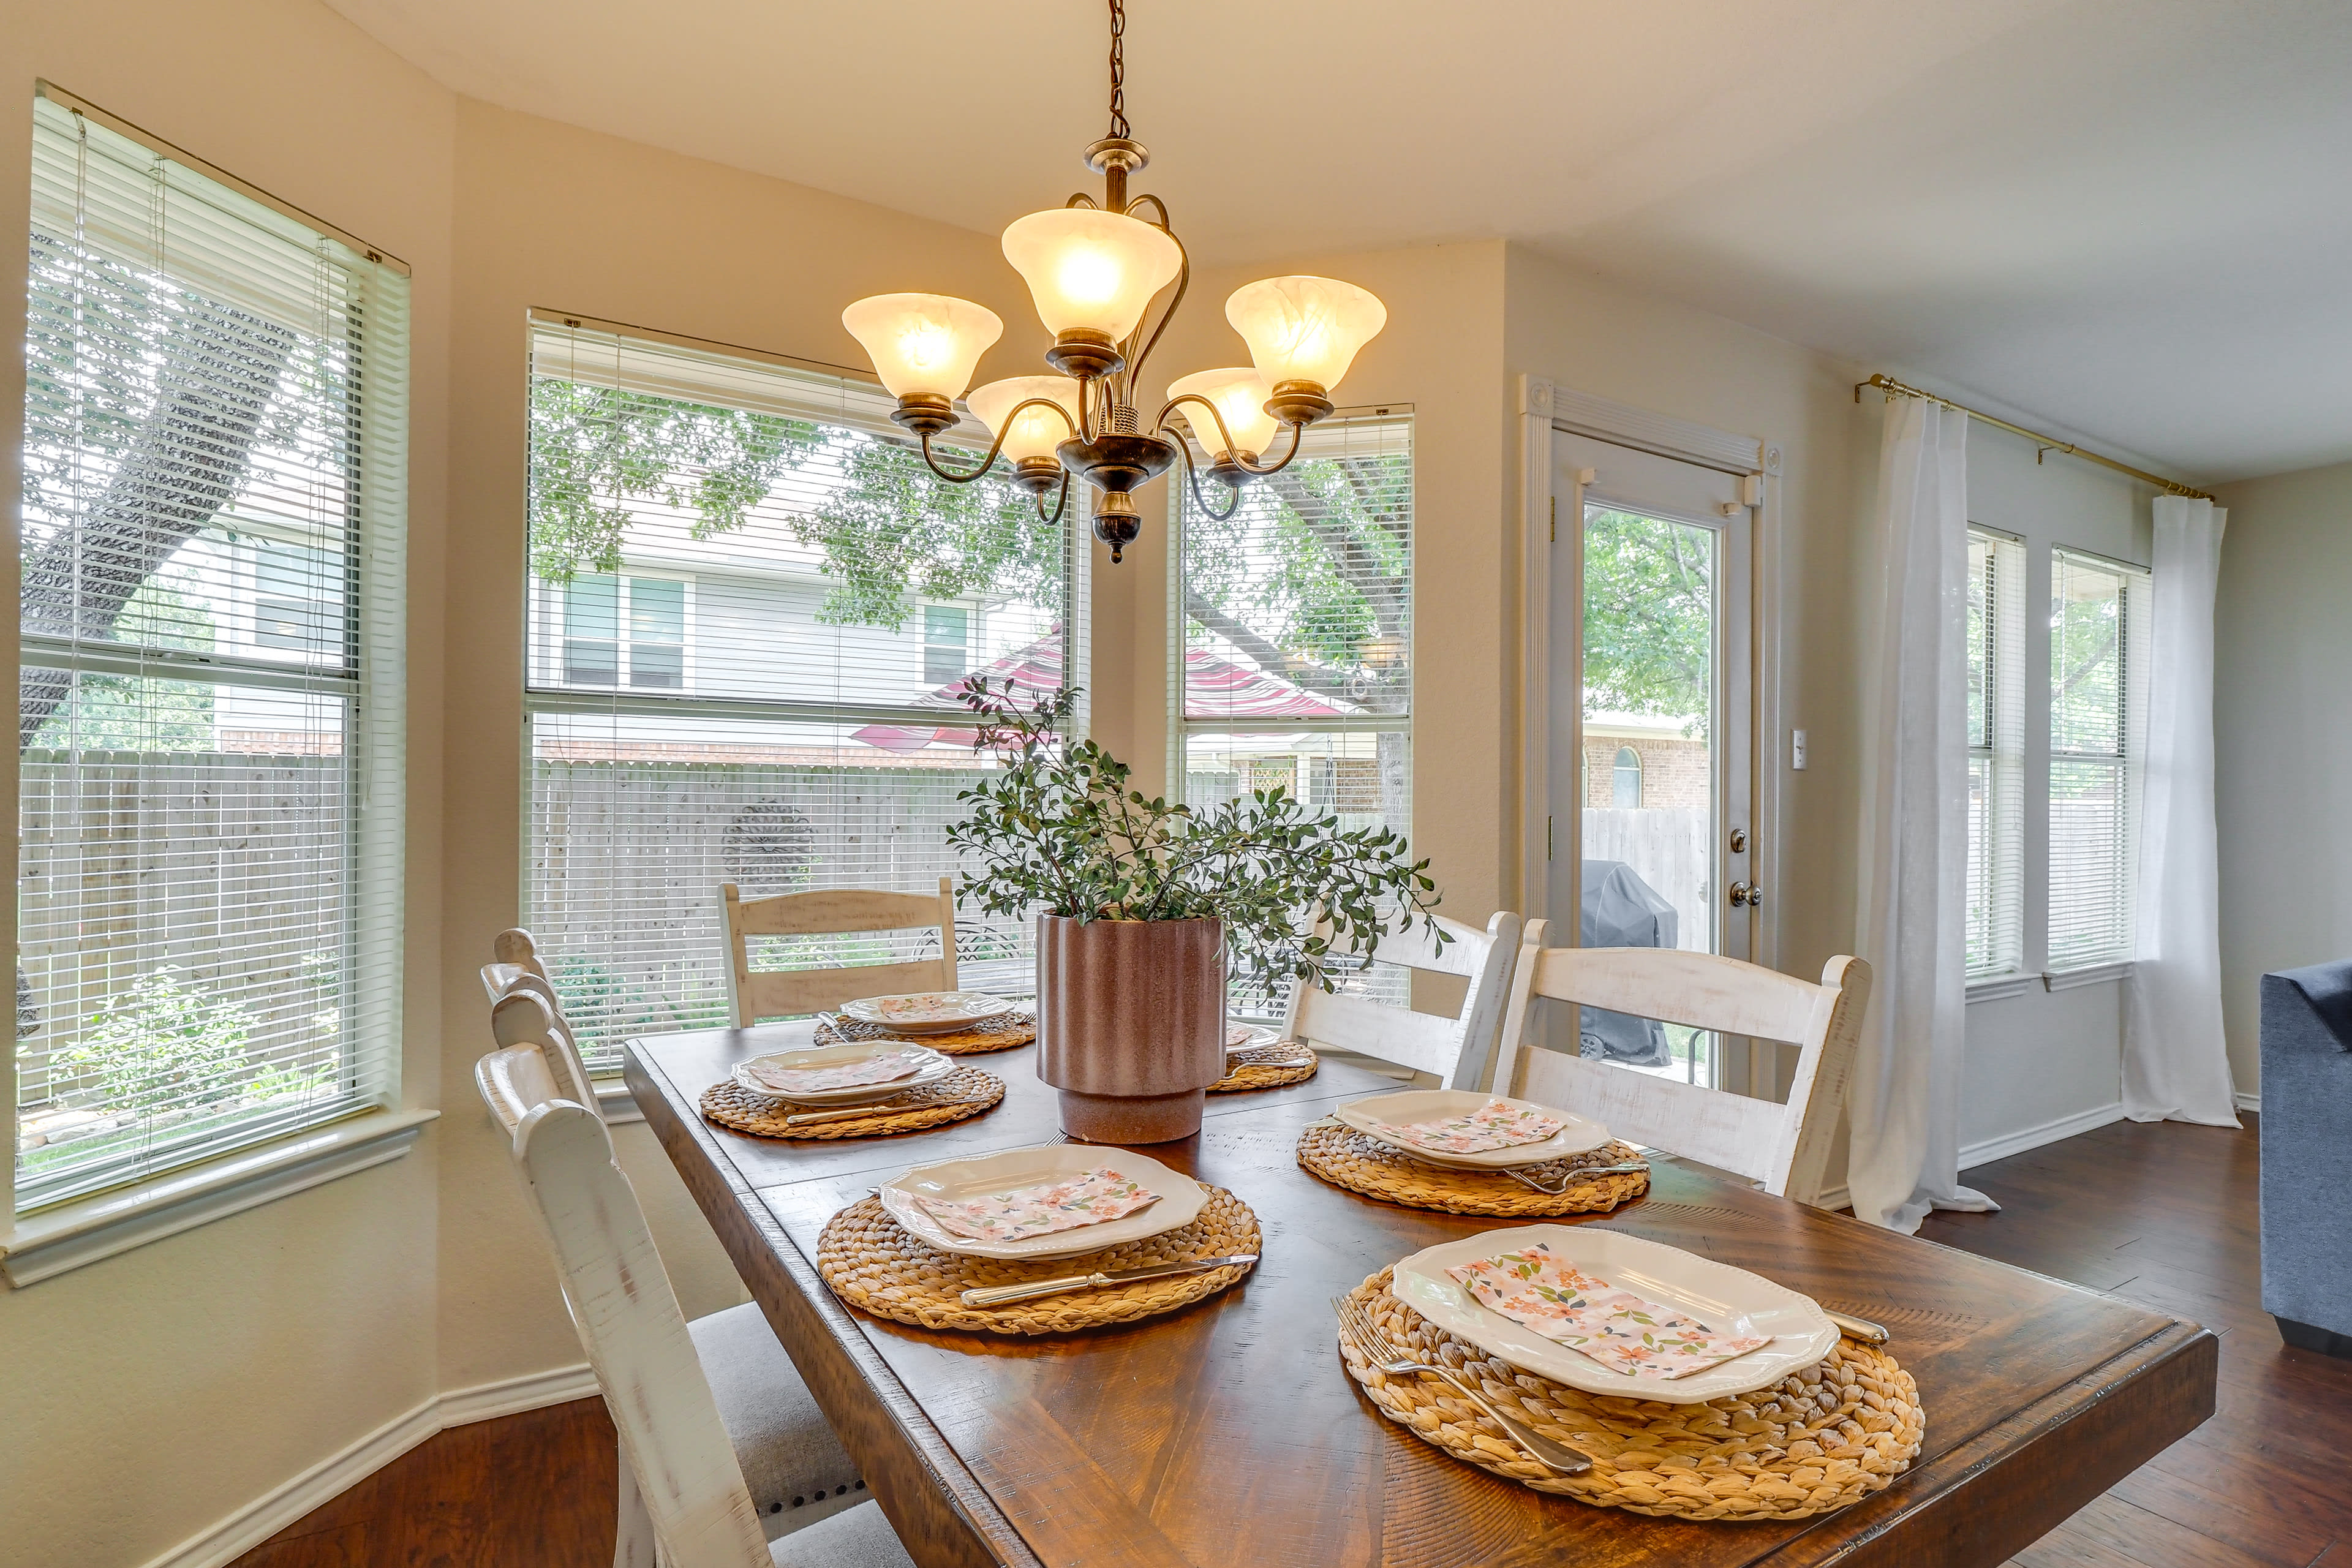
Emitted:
<point x="1100" y="1195"/>
<point x="1493" y="1125"/>
<point x="882" y="1067"/>
<point x="1624" y="1334"/>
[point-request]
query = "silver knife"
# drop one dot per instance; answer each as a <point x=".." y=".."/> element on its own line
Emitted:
<point x="1860" y="1328"/>
<point x="997" y="1296"/>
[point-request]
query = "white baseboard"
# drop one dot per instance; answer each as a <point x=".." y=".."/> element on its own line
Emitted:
<point x="2008" y="1144"/>
<point x="2018" y="1143"/>
<point x="511" y="1396"/>
<point x="255" y="1523"/>
<point x="2252" y="1102"/>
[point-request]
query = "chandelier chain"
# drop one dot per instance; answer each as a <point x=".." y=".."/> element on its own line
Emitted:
<point x="1117" y="68"/>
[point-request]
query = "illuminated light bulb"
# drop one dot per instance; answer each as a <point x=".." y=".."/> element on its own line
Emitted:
<point x="1090" y="271"/>
<point x="1240" y="395"/>
<point x="923" y="345"/>
<point x="1303" y="327"/>
<point x="1035" y="432"/>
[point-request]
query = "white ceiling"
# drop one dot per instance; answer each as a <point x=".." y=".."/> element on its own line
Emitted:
<point x="2130" y="219"/>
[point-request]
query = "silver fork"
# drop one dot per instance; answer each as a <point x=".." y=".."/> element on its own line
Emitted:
<point x="1569" y="1178"/>
<point x="1356" y="1325"/>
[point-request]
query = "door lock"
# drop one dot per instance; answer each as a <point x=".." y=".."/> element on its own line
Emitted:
<point x="1740" y="841"/>
<point x="1741" y="893"/>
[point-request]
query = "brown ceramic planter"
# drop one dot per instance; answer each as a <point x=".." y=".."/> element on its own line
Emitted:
<point x="1130" y="1024"/>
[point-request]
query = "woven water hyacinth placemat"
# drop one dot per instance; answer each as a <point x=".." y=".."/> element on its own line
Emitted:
<point x="1346" y="1158"/>
<point x="1000" y="1032"/>
<point x="876" y="1265"/>
<point x="967" y="1091"/>
<point x="1816" y="1441"/>
<point x="1266" y="1067"/>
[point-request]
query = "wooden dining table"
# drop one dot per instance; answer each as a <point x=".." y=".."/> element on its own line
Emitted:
<point x="1228" y="1432"/>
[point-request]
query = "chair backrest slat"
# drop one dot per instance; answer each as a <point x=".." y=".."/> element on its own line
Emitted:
<point x="754" y="993"/>
<point x="524" y="1012"/>
<point x="514" y="1079"/>
<point x="1458" y="1050"/>
<point x="1785" y="1147"/>
<point x="635" y="1335"/>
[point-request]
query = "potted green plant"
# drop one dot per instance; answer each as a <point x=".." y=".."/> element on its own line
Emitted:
<point x="1145" y="906"/>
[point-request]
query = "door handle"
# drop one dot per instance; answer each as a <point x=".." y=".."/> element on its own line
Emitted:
<point x="1740" y="893"/>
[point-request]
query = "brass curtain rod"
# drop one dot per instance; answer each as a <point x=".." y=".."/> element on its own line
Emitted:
<point x="2043" y="444"/>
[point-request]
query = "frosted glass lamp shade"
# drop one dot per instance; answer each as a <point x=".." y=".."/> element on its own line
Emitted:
<point x="1303" y="327"/>
<point x="1240" y="395"/>
<point x="1035" y="432"/>
<point x="923" y="345"/>
<point x="1091" y="270"/>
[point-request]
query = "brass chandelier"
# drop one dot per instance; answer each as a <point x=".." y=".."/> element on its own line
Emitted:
<point x="1095" y="270"/>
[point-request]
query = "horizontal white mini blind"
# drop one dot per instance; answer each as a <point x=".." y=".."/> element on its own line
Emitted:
<point x="1293" y="657"/>
<point x="749" y="605"/>
<point x="1996" y="690"/>
<point x="210" y="694"/>
<point x="2096" y="671"/>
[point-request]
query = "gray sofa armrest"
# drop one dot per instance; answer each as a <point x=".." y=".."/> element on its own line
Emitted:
<point x="2307" y="1152"/>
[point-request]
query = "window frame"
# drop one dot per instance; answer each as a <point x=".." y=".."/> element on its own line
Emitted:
<point x="1183" y="726"/>
<point x="2002" y="751"/>
<point x="86" y="1210"/>
<point x="2128" y="759"/>
<point x="853" y="401"/>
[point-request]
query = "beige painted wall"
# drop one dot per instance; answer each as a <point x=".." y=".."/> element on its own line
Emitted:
<point x="151" y="1394"/>
<point x="2283" y="773"/>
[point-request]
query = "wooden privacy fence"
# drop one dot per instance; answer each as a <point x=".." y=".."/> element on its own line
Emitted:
<point x="229" y="867"/>
<point x="626" y="857"/>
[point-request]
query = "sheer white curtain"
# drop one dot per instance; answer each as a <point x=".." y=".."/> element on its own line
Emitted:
<point x="2176" y="1066"/>
<point x="1905" y="1108"/>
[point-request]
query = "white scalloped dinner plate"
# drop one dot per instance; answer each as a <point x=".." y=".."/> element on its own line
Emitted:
<point x="1726" y="1299"/>
<point x="958" y="1181"/>
<point x="1374" y="1115"/>
<point x="937" y="1065"/>
<point x="926" y="1012"/>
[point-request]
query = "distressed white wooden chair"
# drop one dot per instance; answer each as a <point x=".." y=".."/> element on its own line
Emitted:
<point x="756" y="993"/>
<point x="1783" y="1148"/>
<point x="785" y="1456"/>
<point x="1457" y="1050"/>
<point x="525" y="1011"/>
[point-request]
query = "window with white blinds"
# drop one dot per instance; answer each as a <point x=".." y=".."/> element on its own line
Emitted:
<point x="210" y="685"/>
<point x="750" y="604"/>
<point x="1292" y="658"/>
<point x="2097" y="661"/>
<point x="1996" y="689"/>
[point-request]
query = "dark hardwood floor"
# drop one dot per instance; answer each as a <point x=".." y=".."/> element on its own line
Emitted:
<point x="2165" y="1214"/>
<point x="533" y="1490"/>
<point x="2162" y="1215"/>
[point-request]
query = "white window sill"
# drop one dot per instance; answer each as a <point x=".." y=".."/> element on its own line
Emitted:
<point x="614" y="1099"/>
<point x="2089" y="975"/>
<point x="54" y="1240"/>
<point x="1997" y="987"/>
<point x="1994" y="988"/>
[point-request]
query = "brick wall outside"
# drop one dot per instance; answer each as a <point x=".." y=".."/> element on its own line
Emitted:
<point x="1675" y="771"/>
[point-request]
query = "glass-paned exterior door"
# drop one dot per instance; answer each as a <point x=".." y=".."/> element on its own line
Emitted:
<point x="1652" y="749"/>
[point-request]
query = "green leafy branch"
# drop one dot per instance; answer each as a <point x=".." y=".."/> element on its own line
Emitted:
<point x="593" y="448"/>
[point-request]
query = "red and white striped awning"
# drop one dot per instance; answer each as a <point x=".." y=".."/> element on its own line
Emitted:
<point x="1225" y="689"/>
